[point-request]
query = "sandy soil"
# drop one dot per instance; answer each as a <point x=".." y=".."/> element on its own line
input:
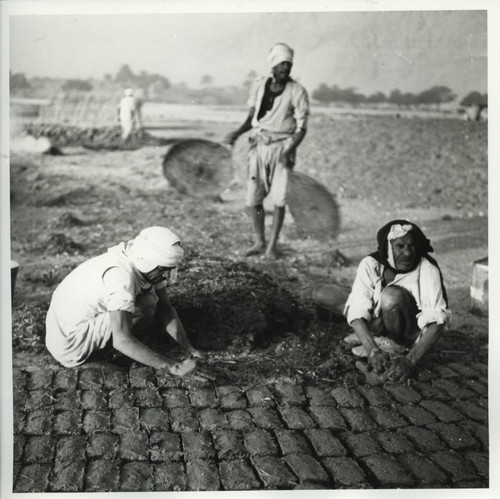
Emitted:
<point x="256" y="317"/>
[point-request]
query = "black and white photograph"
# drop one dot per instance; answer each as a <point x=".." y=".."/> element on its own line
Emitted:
<point x="246" y="248"/>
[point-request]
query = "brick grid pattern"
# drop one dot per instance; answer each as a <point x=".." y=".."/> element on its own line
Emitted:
<point x="107" y="428"/>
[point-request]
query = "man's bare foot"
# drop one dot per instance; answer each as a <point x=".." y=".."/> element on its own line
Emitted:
<point x="271" y="254"/>
<point x="256" y="249"/>
<point x="182" y="368"/>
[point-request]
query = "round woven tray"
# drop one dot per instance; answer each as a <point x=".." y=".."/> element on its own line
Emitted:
<point x="313" y="207"/>
<point x="198" y="167"/>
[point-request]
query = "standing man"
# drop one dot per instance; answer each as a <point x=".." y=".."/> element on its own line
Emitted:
<point x="105" y="296"/>
<point x="129" y="113"/>
<point x="279" y="109"/>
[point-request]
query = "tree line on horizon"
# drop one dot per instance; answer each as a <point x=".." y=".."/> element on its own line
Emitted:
<point x="157" y="87"/>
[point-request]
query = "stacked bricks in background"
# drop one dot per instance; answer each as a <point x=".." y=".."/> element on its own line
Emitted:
<point x="110" y="428"/>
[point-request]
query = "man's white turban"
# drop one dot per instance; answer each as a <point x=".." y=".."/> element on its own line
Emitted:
<point x="396" y="232"/>
<point x="281" y="52"/>
<point x="154" y="247"/>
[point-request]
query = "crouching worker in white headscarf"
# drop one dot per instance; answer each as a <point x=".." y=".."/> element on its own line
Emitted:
<point x="397" y="305"/>
<point x="105" y="296"/>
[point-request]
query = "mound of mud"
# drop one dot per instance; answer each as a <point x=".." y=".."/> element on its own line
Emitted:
<point x="99" y="138"/>
<point x="229" y="305"/>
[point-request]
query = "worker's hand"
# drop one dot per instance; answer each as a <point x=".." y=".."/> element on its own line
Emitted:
<point x="378" y="360"/>
<point x="287" y="158"/>
<point x="230" y="138"/>
<point x="195" y="354"/>
<point x="400" y="369"/>
<point x="182" y="368"/>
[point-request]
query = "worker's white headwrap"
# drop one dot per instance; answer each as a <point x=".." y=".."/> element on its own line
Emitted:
<point x="128" y="92"/>
<point x="396" y="232"/>
<point x="281" y="52"/>
<point x="154" y="247"/>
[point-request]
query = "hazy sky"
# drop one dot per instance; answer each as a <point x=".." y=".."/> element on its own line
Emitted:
<point x="371" y="51"/>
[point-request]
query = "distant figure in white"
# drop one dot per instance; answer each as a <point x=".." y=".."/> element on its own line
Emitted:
<point x="129" y="114"/>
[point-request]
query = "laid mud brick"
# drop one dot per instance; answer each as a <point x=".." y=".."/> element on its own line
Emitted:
<point x="237" y="474"/>
<point x="40" y="379"/>
<point x="240" y="420"/>
<point x="19" y="398"/>
<point x="20" y="379"/>
<point x="94" y="400"/>
<point x="425" y="440"/>
<point x="324" y="443"/>
<point x="136" y="477"/>
<point x="202" y="475"/>
<point x="15" y="471"/>
<point x="173" y="398"/>
<point x="386" y="418"/>
<point x="266" y="417"/>
<point x="347" y="398"/>
<point x="393" y="443"/>
<point x="102" y="476"/>
<point x="166" y="380"/>
<point x="116" y="378"/>
<point x="229" y="444"/>
<point x="454" y="436"/>
<point x="423" y="470"/>
<point x="19" y="420"/>
<point x="142" y="376"/>
<point x="148" y="397"/>
<point x="33" y="478"/>
<point x="471" y="484"/>
<point x="483" y="402"/>
<point x="454" y="465"/>
<point x="134" y="446"/>
<point x="94" y="421"/>
<point x="165" y="446"/>
<point x="154" y="419"/>
<point x="71" y="448"/>
<point x="479" y="460"/>
<point x="260" y="443"/>
<point x="358" y="419"/>
<point x="197" y="445"/>
<point x="68" y="422"/>
<point x="387" y="471"/>
<point x="327" y="417"/>
<point x="67" y="401"/>
<point x="91" y="378"/>
<point x="375" y="396"/>
<point x="126" y="419"/>
<point x="345" y="472"/>
<point x="361" y="444"/>
<point x="231" y="397"/>
<point x="444" y="372"/>
<point x="442" y="411"/>
<point x="38" y="399"/>
<point x="102" y="445"/>
<point x="480" y="367"/>
<point x="39" y="422"/>
<point x="403" y="394"/>
<point x="120" y="397"/>
<point x="454" y="389"/>
<point x="479" y="431"/>
<point x="306" y="468"/>
<point x="431" y="392"/>
<point x="292" y="442"/>
<point x="273" y="472"/>
<point x="211" y="419"/>
<point x="462" y="369"/>
<point x="39" y="449"/>
<point x="289" y="394"/>
<point x="66" y="380"/>
<point x="260" y="396"/>
<point x="417" y="415"/>
<point x="317" y="396"/>
<point x="203" y="397"/>
<point x="184" y="419"/>
<point x="296" y="418"/>
<point x="472" y="410"/>
<point x="18" y="447"/>
<point x="67" y="476"/>
<point x="169" y="476"/>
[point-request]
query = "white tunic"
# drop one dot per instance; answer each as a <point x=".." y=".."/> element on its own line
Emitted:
<point x="78" y="320"/>
<point x="424" y="283"/>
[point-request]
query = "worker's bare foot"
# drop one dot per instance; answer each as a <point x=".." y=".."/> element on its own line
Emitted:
<point x="271" y="254"/>
<point x="256" y="249"/>
<point x="182" y="368"/>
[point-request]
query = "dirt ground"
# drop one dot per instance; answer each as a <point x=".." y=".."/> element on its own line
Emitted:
<point x="255" y="317"/>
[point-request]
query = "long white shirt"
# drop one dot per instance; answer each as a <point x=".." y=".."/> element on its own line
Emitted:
<point x="78" y="321"/>
<point x="424" y="283"/>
